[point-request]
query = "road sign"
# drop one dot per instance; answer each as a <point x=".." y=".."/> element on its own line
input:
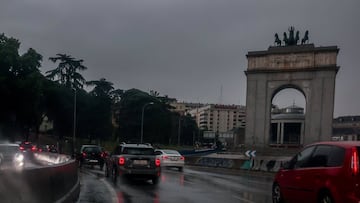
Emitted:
<point x="250" y="153"/>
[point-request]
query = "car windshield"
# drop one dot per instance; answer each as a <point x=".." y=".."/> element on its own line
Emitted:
<point x="138" y="151"/>
<point x="92" y="150"/>
<point x="171" y="152"/>
<point x="9" y="149"/>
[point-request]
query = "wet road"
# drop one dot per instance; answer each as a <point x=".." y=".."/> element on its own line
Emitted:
<point x="176" y="187"/>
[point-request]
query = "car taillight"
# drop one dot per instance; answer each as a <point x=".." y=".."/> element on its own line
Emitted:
<point x="121" y="161"/>
<point x="164" y="157"/>
<point x="354" y="161"/>
<point x="33" y="148"/>
<point x="22" y="148"/>
<point x="157" y="162"/>
<point x="102" y="154"/>
<point x="182" y="158"/>
<point x="84" y="154"/>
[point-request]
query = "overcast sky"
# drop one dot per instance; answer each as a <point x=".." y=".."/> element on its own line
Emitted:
<point x="187" y="49"/>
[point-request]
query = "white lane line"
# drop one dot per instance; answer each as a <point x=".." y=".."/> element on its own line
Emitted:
<point x="112" y="191"/>
<point x="242" y="199"/>
<point x="108" y="186"/>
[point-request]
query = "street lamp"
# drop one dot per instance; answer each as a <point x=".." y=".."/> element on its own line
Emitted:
<point x="74" y="126"/>
<point x="142" y="120"/>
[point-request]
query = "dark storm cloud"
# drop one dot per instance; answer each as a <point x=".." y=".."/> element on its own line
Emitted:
<point x="187" y="49"/>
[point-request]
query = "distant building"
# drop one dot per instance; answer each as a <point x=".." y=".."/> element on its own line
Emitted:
<point x="346" y="128"/>
<point x="184" y="107"/>
<point x="287" y="126"/>
<point x="219" y="118"/>
<point x="46" y="125"/>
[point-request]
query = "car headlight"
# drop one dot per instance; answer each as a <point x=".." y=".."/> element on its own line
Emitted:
<point x="19" y="157"/>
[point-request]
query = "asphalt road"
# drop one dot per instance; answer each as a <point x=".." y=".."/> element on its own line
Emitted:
<point x="177" y="187"/>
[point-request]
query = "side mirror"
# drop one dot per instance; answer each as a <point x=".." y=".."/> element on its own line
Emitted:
<point x="286" y="165"/>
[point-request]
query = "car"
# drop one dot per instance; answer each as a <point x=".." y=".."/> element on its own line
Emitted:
<point x="321" y="172"/>
<point x="91" y="155"/>
<point x="11" y="157"/>
<point x="27" y="147"/>
<point x="47" y="148"/>
<point x="171" y="158"/>
<point x="134" y="161"/>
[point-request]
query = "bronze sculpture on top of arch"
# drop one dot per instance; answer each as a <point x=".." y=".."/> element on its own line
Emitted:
<point x="293" y="37"/>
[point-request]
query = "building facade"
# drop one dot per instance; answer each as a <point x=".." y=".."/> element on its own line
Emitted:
<point x="346" y="128"/>
<point x="287" y="126"/>
<point x="219" y="118"/>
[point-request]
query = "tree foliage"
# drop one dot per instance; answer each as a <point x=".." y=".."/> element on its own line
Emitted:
<point x="27" y="96"/>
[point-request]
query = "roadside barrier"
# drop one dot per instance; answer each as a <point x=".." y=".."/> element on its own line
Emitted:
<point x="55" y="183"/>
<point x="268" y="164"/>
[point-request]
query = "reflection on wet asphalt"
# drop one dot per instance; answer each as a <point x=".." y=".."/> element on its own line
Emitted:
<point x="176" y="187"/>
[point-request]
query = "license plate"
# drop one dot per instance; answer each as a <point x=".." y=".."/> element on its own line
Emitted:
<point x="93" y="161"/>
<point x="140" y="162"/>
<point x="174" y="158"/>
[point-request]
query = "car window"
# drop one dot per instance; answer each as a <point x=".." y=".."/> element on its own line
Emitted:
<point x="91" y="149"/>
<point x="301" y="159"/>
<point x="171" y="152"/>
<point x="336" y="157"/>
<point x="138" y="151"/>
<point x="320" y="156"/>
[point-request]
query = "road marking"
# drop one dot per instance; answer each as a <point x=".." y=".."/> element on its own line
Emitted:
<point x="243" y="199"/>
<point x="112" y="191"/>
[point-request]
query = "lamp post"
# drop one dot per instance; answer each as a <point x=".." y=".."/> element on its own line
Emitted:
<point x="142" y="120"/>
<point x="179" y="131"/>
<point x="74" y="126"/>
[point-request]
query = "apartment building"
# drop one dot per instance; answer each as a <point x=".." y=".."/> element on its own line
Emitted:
<point x="219" y="118"/>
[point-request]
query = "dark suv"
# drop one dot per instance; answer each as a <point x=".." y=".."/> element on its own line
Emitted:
<point x="136" y="161"/>
<point x="321" y="172"/>
<point x="91" y="155"/>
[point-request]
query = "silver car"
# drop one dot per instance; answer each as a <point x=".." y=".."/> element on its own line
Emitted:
<point x="11" y="157"/>
<point x="171" y="158"/>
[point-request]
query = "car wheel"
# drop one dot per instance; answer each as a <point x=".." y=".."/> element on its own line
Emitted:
<point x="325" y="197"/>
<point x="181" y="169"/>
<point x="101" y="167"/>
<point x="155" y="180"/>
<point x="276" y="194"/>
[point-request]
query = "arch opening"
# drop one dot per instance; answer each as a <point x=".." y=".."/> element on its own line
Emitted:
<point x="287" y="123"/>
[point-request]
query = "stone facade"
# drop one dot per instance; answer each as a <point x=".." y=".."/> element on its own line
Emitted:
<point x="309" y="69"/>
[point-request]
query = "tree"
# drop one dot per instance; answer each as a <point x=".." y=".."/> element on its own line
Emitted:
<point x="21" y="85"/>
<point x="67" y="71"/>
<point x="102" y="87"/>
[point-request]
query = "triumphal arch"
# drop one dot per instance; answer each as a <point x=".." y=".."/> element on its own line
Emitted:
<point x="291" y="63"/>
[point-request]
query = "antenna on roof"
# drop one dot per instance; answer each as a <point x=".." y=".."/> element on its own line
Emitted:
<point x="221" y="94"/>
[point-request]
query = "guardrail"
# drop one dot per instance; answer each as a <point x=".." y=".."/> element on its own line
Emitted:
<point x="268" y="164"/>
<point x="58" y="182"/>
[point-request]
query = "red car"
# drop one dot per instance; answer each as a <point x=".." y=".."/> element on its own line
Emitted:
<point x="324" y="172"/>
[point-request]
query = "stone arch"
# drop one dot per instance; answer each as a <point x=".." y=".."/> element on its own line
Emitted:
<point x="287" y="86"/>
<point x="311" y="70"/>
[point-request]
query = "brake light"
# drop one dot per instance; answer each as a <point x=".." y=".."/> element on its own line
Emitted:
<point x="157" y="162"/>
<point x="121" y="161"/>
<point x="22" y="148"/>
<point x="33" y="148"/>
<point x="354" y="161"/>
<point x="164" y="157"/>
<point x="102" y="154"/>
<point x="182" y="158"/>
<point x="84" y="154"/>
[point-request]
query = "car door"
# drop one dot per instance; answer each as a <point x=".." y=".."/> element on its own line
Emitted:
<point x="291" y="177"/>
